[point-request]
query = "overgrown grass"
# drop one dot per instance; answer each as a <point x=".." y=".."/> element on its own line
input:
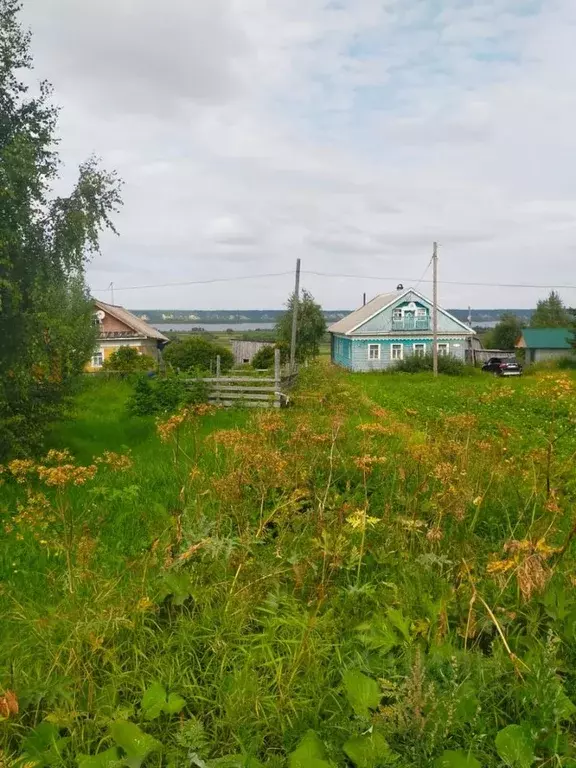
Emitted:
<point x="389" y="563"/>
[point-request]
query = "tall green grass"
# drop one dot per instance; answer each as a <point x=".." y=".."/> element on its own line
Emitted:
<point x="388" y="563"/>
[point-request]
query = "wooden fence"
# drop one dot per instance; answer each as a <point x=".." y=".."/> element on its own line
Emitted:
<point x="252" y="391"/>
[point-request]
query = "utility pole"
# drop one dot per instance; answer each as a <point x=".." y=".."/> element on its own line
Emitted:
<point x="111" y="286"/>
<point x="435" y="309"/>
<point x="295" y="318"/>
<point x="364" y="300"/>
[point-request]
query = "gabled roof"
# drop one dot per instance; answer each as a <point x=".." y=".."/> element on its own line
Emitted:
<point x="546" y="338"/>
<point x="360" y="316"/>
<point x="355" y="319"/>
<point x="140" y="327"/>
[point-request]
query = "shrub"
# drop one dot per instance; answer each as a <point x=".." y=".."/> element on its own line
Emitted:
<point x="196" y="353"/>
<point x="567" y="363"/>
<point x="448" y="365"/>
<point x="128" y="360"/>
<point x="264" y="358"/>
<point x="152" y="397"/>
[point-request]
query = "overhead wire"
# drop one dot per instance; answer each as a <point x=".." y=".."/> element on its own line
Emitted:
<point x="422" y="279"/>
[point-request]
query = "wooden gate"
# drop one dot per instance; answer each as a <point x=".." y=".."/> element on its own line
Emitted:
<point x="240" y="390"/>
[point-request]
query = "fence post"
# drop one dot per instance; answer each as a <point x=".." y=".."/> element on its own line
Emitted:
<point x="218" y="376"/>
<point x="277" y="378"/>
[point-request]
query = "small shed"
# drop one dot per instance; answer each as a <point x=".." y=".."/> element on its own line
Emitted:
<point x="244" y="351"/>
<point x="545" y="343"/>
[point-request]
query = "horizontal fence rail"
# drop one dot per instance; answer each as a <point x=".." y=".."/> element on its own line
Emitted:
<point x="234" y="390"/>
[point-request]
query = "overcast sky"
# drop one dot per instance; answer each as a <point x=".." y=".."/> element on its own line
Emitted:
<point x="351" y="133"/>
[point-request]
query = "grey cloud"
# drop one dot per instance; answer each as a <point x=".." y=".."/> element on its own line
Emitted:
<point x="139" y="56"/>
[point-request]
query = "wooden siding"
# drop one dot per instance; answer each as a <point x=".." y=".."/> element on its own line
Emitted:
<point x="359" y="360"/>
<point x="382" y="323"/>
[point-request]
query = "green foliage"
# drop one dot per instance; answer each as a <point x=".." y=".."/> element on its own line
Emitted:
<point x="196" y="353"/>
<point x="135" y="744"/>
<point x="505" y="334"/>
<point x="166" y="395"/>
<point x="264" y="358"/>
<point x="224" y="564"/>
<point x="551" y="313"/>
<point x="156" y="701"/>
<point x="456" y="759"/>
<point x="310" y="753"/>
<point x="128" y="360"/>
<point x="448" y="365"/>
<point x="45" y="319"/>
<point x="362" y="692"/>
<point x="44" y="745"/>
<point x="370" y="750"/>
<point x="515" y="746"/>
<point x="311" y="326"/>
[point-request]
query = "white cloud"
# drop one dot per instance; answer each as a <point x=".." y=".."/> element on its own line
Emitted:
<point x="351" y="133"/>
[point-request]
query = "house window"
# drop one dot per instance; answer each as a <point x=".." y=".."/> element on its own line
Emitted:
<point x="97" y="360"/>
<point x="443" y="350"/>
<point x="421" y="312"/>
<point x="373" y="351"/>
<point x="397" y="314"/>
<point x="419" y="350"/>
<point x="397" y="351"/>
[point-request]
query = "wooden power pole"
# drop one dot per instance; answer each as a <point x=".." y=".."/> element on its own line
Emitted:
<point x="295" y="318"/>
<point x="435" y="309"/>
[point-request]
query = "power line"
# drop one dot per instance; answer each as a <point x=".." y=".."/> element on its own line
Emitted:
<point x="424" y="273"/>
<point x="387" y="278"/>
<point x="191" y="282"/>
<point x="445" y="282"/>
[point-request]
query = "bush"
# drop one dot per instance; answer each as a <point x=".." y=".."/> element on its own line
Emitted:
<point x="197" y="354"/>
<point x="264" y="358"/>
<point x="128" y="360"/>
<point x="448" y="365"/>
<point x="567" y="363"/>
<point x="152" y="397"/>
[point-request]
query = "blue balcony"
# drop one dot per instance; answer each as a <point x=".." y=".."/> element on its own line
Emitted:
<point x="411" y="324"/>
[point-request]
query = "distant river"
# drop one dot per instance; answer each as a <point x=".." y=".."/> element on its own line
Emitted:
<point x="214" y="326"/>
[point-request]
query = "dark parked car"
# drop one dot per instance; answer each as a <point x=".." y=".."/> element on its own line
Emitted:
<point x="500" y="367"/>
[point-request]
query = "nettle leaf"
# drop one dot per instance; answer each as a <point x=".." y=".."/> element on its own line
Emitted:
<point x="174" y="704"/>
<point x="363" y="692"/>
<point x="467" y="703"/>
<point x="399" y="622"/>
<point x="515" y="746"/>
<point x="136" y="744"/>
<point x="378" y="635"/>
<point x="456" y="759"/>
<point x="369" y="751"/>
<point x="310" y="753"/>
<point x="108" y="759"/>
<point x="155" y="701"/>
<point x="44" y="744"/>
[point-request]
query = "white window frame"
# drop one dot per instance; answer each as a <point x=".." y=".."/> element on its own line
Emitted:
<point x="393" y="348"/>
<point x="443" y="349"/>
<point x="421" y="312"/>
<point x="97" y="360"/>
<point x="397" y="314"/>
<point x="419" y="349"/>
<point x="372" y="347"/>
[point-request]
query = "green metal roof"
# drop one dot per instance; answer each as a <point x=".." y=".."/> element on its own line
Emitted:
<point x="547" y="338"/>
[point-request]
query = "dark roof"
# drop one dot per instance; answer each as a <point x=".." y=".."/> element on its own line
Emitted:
<point x="547" y="338"/>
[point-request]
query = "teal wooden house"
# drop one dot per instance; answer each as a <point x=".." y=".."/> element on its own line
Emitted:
<point x="393" y="326"/>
